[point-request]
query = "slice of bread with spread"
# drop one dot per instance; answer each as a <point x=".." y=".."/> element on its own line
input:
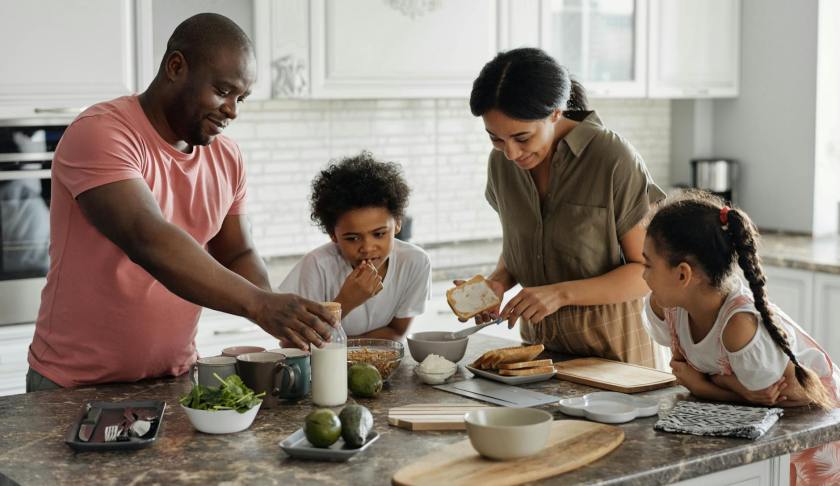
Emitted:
<point x="472" y="297"/>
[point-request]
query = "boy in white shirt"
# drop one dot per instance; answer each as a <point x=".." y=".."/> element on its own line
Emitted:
<point x="382" y="283"/>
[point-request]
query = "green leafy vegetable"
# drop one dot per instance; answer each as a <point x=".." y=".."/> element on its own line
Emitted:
<point x="232" y="394"/>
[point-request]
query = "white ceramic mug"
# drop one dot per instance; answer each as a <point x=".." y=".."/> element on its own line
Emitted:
<point x="204" y="368"/>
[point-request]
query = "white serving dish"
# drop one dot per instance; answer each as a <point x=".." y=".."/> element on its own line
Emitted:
<point x="511" y="380"/>
<point x="609" y="407"/>
<point x="504" y="433"/>
<point x="298" y="447"/>
<point x="221" y="421"/>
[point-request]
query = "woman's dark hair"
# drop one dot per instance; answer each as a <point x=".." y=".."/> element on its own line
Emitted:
<point x="689" y="229"/>
<point x="526" y="84"/>
<point x="357" y="182"/>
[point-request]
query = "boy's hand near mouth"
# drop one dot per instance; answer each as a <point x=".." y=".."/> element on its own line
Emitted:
<point x="363" y="283"/>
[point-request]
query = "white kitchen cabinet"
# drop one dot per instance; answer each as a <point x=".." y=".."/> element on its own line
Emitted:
<point x="14" y="348"/>
<point x="770" y="472"/>
<point x="398" y="49"/>
<point x="157" y="20"/>
<point x="694" y="48"/>
<point x="602" y="42"/>
<point x="812" y="299"/>
<point x="792" y="291"/>
<point x="59" y="56"/>
<point x="827" y="312"/>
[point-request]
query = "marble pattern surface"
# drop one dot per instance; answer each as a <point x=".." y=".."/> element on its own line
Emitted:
<point x="32" y="451"/>
<point x="817" y="254"/>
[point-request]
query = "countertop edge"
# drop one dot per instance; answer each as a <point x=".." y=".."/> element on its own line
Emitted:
<point x="704" y="465"/>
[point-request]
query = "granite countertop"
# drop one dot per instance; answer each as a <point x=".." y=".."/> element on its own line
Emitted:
<point x="818" y="254"/>
<point x="32" y="451"/>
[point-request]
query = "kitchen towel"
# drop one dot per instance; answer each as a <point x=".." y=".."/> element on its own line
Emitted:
<point x="718" y="419"/>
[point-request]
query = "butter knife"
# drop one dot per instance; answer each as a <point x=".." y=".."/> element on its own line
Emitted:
<point x="89" y="423"/>
<point x="453" y="336"/>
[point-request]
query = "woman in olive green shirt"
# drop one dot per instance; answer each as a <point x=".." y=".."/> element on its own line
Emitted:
<point x="571" y="196"/>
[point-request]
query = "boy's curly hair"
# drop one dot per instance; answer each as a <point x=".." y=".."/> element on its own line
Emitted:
<point x="357" y="182"/>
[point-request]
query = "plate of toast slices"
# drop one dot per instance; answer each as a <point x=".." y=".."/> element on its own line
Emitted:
<point x="515" y="365"/>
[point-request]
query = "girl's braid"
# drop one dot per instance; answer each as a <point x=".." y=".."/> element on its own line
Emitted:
<point x="743" y="237"/>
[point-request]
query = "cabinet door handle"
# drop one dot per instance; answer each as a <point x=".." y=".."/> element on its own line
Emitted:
<point x="64" y="110"/>
<point x="239" y="330"/>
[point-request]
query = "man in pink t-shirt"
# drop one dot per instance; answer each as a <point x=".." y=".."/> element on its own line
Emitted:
<point x="147" y="225"/>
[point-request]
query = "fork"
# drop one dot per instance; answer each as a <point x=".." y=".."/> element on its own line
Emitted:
<point x="112" y="432"/>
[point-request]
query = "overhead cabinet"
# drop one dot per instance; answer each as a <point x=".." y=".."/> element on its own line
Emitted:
<point x="602" y="42"/>
<point x="694" y="48"/>
<point x="70" y="54"/>
<point x="382" y="49"/>
<point x="634" y="48"/>
<point x="58" y="57"/>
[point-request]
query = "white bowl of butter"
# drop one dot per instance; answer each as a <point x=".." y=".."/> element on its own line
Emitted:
<point x="435" y="369"/>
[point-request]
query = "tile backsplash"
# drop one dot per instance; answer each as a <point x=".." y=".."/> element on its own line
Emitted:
<point x="442" y="148"/>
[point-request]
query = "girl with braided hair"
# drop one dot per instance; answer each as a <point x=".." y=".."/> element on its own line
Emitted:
<point x="729" y="343"/>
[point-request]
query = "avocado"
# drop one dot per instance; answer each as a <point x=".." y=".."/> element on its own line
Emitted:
<point x="322" y="427"/>
<point x="356" y="425"/>
<point x="364" y="380"/>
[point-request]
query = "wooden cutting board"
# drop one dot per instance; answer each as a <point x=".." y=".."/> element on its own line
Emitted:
<point x="613" y="375"/>
<point x="572" y="444"/>
<point x="431" y="416"/>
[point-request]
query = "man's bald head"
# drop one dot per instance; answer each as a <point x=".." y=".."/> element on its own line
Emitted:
<point x="201" y="36"/>
<point x="206" y="73"/>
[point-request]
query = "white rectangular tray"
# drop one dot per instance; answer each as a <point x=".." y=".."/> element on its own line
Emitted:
<point x="511" y="380"/>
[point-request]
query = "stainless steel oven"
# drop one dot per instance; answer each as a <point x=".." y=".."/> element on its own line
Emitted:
<point x="26" y="151"/>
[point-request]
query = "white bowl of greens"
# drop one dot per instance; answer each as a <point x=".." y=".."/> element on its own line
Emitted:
<point x="230" y="407"/>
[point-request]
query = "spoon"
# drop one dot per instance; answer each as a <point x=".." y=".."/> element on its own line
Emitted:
<point x="466" y="332"/>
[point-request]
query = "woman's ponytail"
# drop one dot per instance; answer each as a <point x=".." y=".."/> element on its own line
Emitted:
<point x="578" y="101"/>
<point x="743" y="237"/>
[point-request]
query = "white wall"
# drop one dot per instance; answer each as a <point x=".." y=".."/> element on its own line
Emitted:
<point x="784" y="127"/>
<point x="770" y="126"/>
<point x="691" y="136"/>
<point x="827" y="156"/>
<point x="441" y="146"/>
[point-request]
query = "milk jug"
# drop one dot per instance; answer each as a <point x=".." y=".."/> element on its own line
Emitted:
<point x="329" y="365"/>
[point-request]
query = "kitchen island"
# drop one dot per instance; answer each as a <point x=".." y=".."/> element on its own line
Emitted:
<point x="32" y="449"/>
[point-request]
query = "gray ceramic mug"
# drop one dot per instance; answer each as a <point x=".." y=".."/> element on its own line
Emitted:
<point x="298" y="359"/>
<point x="204" y="368"/>
<point x="269" y="373"/>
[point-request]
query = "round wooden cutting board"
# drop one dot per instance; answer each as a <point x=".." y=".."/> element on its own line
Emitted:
<point x="572" y="444"/>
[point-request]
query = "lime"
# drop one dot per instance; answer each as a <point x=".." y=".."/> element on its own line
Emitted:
<point x="322" y="427"/>
<point x="364" y="380"/>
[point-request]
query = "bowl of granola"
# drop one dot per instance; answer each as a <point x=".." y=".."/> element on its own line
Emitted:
<point x="384" y="354"/>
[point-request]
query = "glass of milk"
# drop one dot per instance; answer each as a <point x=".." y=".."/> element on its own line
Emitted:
<point x="329" y="365"/>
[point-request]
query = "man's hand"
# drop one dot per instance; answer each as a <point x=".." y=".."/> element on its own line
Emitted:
<point x="769" y="396"/>
<point x="533" y="304"/>
<point x="294" y="320"/>
<point x="363" y="283"/>
<point x="492" y="314"/>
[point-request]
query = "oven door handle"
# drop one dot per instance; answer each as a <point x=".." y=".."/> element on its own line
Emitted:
<point x="12" y="175"/>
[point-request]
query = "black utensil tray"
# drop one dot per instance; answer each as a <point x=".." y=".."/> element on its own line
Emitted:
<point x="112" y="414"/>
